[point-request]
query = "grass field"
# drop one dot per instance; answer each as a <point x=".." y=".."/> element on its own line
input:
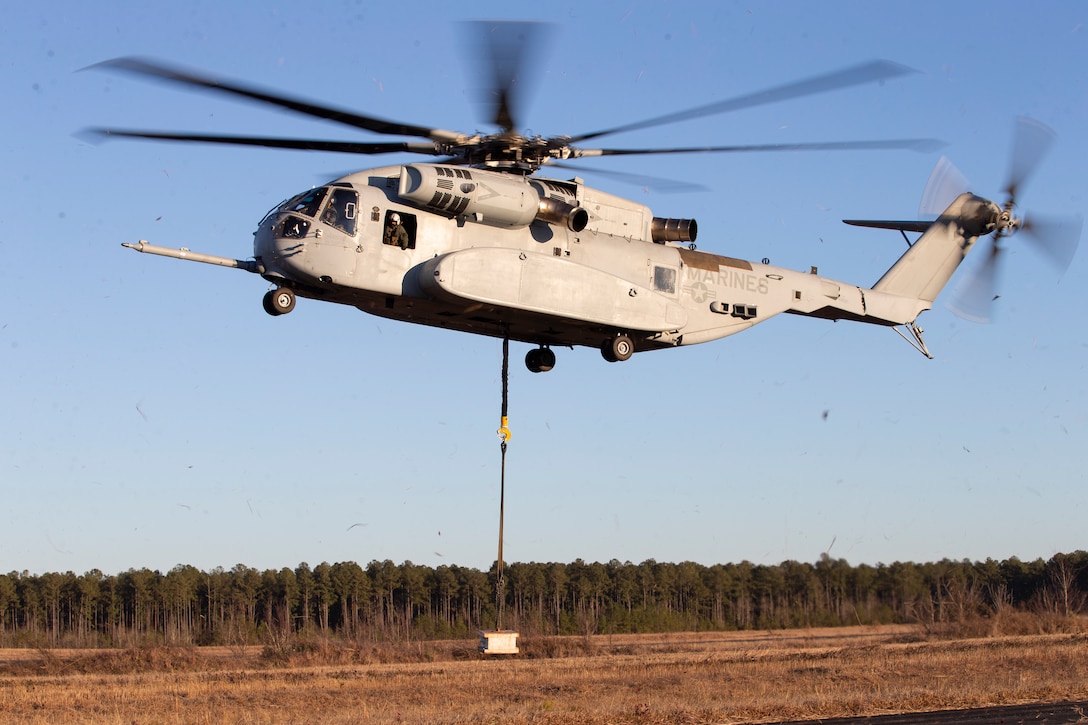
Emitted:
<point x="687" y="678"/>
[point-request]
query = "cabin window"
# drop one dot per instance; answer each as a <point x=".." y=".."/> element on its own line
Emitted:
<point x="665" y="280"/>
<point x="392" y="237"/>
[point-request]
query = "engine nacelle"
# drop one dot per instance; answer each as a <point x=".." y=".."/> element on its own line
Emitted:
<point x="673" y="230"/>
<point x="485" y="197"/>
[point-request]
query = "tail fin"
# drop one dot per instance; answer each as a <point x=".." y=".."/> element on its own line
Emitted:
<point x="927" y="266"/>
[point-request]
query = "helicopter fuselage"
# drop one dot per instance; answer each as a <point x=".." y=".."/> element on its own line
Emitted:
<point x="499" y="270"/>
<point x="552" y="263"/>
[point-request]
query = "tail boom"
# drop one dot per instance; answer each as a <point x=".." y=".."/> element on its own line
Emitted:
<point x="927" y="266"/>
<point x="914" y="281"/>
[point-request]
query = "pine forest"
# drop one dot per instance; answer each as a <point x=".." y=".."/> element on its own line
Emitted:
<point x="388" y="602"/>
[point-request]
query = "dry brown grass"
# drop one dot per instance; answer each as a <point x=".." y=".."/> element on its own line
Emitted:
<point x="693" y="678"/>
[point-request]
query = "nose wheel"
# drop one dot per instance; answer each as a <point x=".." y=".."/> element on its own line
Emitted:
<point x="279" y="301"/>
<point x="618" y="348"/>
<point x="540" y="360"/>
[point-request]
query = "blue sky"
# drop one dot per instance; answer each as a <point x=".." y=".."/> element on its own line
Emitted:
<point x="153" y="414"/>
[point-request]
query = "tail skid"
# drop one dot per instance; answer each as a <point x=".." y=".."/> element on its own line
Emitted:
<point x="915" y="340"/>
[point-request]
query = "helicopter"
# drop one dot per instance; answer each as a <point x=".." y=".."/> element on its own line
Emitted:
<point x="477" y="242"/>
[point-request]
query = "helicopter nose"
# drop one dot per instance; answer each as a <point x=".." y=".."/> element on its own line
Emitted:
<point x="264" y="238"/>
<point x="306" y="251"/>
<point x="280" y="244"/>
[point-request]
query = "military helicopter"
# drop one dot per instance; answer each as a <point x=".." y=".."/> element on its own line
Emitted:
<point x="476" y="242"/>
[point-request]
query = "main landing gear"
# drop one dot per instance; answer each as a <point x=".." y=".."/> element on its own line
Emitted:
<point x="614" y="349"/>
<point x="618" y="348"/>
<point x="279" y="301"/>
<point x="540" y="360"/>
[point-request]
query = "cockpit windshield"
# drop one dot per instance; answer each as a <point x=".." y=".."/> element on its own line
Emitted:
<point x="336" y="205"/>
<point x="307" y="203"/>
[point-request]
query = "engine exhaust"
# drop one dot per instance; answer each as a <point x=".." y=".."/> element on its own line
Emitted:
<point x="559" y="212"/>
<point x="673" y="230"/>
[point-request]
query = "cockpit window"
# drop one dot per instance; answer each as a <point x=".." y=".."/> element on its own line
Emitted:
<point x="341" y="209"/>
<point x="293" y="227"/>
<point x="306" y="203"/>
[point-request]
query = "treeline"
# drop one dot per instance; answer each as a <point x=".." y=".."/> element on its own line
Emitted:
<point x="397" y="602"/>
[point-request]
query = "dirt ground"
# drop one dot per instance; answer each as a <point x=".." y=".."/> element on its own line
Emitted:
<point x="734" y="677"/>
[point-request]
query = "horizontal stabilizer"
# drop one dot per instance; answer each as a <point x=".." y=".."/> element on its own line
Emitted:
<point x="920" y="227"/>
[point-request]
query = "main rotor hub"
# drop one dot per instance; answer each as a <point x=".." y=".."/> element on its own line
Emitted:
<point x="509" y="151"/>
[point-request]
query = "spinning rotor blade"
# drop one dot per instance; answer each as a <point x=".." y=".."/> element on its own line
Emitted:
<point x="506" y="46"/>
<point x="504" y="50"/>
<point x="923" y="145"/>
<point x="944" y="185"/>
<point x="1031" y="141"/>
<point x="656" y="183"/>
<point x="142" y="67"/>
<point x="975" y="294"/>
<point x="878" y="70"/>
<point x="348" y="147"/>
<point x="1056" y="237"/>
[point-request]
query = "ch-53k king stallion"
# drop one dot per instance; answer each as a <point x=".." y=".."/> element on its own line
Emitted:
<point x="476" y="242"/>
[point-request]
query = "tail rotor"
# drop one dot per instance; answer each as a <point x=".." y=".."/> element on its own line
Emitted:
<point x="1055" y="237"/>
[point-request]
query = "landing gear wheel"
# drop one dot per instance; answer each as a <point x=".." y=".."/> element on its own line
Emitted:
<point x="540" y="360"/>
<point x="547" y="359"/>
<point x="279" y="301"/>
<point x="618" y="349"/>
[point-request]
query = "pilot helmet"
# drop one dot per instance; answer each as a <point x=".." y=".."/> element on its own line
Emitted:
<point x="395" y="218"/>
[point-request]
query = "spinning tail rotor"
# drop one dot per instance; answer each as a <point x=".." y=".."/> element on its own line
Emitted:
<point x="1055" y="237"/>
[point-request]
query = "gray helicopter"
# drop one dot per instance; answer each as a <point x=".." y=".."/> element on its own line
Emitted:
<point x="477" y="242"/>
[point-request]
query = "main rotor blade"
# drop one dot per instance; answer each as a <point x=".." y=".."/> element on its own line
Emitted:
<point x="1031" y="140"/>
<point x="347" y="147"/>
<point x="655" y="183"/>
<point x="924" y="145"/>
<point x="505" y="47"/>
<point x="152" y="69"/>
<point x="877" y="70"/>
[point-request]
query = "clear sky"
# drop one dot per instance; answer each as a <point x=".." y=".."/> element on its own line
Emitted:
<point x="152" y="414"/>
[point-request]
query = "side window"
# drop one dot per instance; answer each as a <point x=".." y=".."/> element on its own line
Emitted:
<point x="665" y="280"/>
<point x="341" y="210"/>
<point x="399" y="230"/>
